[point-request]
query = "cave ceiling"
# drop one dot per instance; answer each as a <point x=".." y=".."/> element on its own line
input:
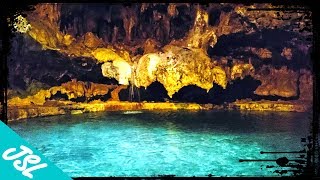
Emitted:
<point x="175" y="44"/>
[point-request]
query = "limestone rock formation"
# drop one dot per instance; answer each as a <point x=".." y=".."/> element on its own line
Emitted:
<point x="115" y="93"/>
<point x="73" y="89"/>
<point x="118" y="69"/>
<point x="262" y="53"/>
<point x="277" y="82"/>
<point x="151" y="46"/>
<point x="178" y="67"/>
<point x="173" y="41"/>
<point x="306" y="85"/>
<point x="287" y="53"/>
<point x="201" y="35"/>
<point x="241" y="70"/>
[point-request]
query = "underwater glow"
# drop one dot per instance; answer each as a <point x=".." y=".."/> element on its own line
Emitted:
<point x="166" y="142"/>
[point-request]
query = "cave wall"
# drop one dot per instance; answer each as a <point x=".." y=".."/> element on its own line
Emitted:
<point x="276" y="44"/>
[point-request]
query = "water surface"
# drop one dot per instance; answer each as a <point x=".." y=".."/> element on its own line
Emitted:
<point x="156" y="143"/>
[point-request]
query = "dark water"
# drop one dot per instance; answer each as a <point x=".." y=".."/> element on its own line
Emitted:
<point x="156" y="143"/>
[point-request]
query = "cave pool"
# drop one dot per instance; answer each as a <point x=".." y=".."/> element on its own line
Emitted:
<point x="180" y="143"/>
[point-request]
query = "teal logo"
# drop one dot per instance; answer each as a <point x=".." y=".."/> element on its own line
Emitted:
<point x="30" y="158"/>
<point x="20" y="161"/>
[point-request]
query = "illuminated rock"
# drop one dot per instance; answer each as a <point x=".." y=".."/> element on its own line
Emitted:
<point x="104" y="55"/>
<point x="92" y="41"/>
<point x="151" y="46"/>
<point x="178" y="67"/>
<point x="146" y="69"/>
<point x="181" y="63"/>
<point x="44" y="26"/>
<point x="21" y="24"/>
<point x="267" y="19"/>
<point x="37" y="99"/>
<point x="25" y="111"/>
<point x="73" y="89"/>
<point x="118" y="69"/>
<point x="172" y="11"/>
<point x="115" y="93"/>
<point x="46" y="32"/>
<point x="224" y="27"/>
<point x="201" y="35"/>
<point x="241" y="70"/>
<point x="265" y="105"/>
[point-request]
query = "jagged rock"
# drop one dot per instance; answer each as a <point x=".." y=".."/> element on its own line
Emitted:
<point x="151" y="46"/>
<point x="201" y="34"/>
<point x="129" y="21"/>
<point x="92" y="41"/>
<point x="241" y="70"/>
<point x="37" y="99"/>
<point x="118" y="69"/>
<point x="262" y="53"/>
<point x="183" y="62"/>
<point x="287" y="53"/>
<point x="268" y="19"/>
<point x="306" y="85"/>
<point x="47" y="33"/>
<point x="73" y="89"/>
<point x="44" y="26"/>
<point x="282" y="82"/>
<point x="115" y="93"/>
<point x="178" y="67"/>
<point x="36" y="86"/>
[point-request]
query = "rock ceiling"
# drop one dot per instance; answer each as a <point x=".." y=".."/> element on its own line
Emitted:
<point x="169" y="56"/>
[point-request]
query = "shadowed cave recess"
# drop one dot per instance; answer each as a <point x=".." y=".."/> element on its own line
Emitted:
<point x="216" y="54"/>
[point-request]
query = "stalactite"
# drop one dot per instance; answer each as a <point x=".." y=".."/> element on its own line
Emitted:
<point x="154" y="21"/>
<point x="115" y="34"/>
<point x="129" y="21"/>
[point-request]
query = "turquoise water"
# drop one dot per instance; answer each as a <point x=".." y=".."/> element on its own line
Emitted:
<point x="157" y="143"/>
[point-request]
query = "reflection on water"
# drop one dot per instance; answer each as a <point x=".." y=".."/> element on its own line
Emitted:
<point x="154" y="143"/>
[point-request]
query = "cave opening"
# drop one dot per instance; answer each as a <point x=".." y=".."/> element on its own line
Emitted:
<point x="81" y="99"/>
<point x="236" y="89"/>
<point x="238" y="46"/>
<point x="103" y="98"/>
<point x="59" y="96"/>
<point x="155" y="92"/>
<point x="191" y="93"/>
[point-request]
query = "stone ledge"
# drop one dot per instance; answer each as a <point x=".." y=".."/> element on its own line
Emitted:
<point x="25" y="112"/>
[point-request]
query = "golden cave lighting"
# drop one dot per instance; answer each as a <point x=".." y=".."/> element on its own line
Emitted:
<point x="21" y="24"/>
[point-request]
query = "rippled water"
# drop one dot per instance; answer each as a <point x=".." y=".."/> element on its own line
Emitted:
<point x="156" y="143"/>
